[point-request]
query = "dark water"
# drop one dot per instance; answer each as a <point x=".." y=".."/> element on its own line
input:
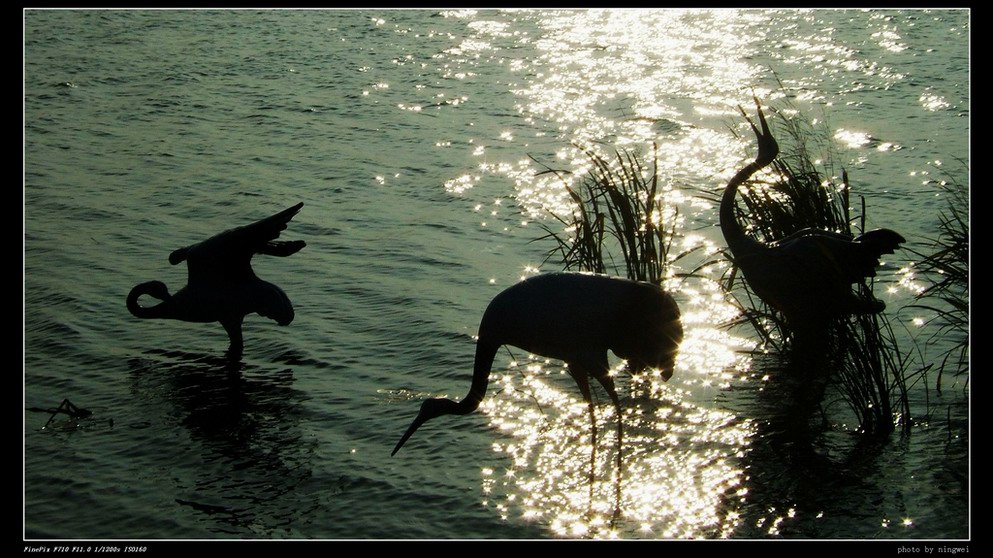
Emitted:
<point x="409" y="136"/>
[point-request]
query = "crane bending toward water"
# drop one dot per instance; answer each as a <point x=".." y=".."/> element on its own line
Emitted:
<point x="575" y="318"/>
<point x="808" y="275"/>
<point x="221" y="286"/>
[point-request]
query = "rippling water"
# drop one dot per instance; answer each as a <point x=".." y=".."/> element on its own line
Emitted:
<point x="416" y="140"/>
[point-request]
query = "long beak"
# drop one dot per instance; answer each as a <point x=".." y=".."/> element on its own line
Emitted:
<point x="421" y="419"/>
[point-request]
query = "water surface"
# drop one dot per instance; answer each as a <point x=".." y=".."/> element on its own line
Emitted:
<point x="416" y="140"/>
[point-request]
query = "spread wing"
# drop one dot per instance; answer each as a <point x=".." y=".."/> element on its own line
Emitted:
<point x="228" y="255"/>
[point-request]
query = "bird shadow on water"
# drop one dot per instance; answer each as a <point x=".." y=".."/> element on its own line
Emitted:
<point x="238" y="470"/>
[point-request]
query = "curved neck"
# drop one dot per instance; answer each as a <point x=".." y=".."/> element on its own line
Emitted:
<point x="155" y="290"/>
<point x="735" y="236"/>
<point x="432" y="408"/>
<point x="485" y="353"/>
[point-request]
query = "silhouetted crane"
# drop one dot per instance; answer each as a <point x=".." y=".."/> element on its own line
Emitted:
<point x="807" y="275"/>
<point x="575" y="318"/>
<point x="221" y="286"/>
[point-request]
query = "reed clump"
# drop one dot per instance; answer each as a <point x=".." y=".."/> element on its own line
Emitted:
<point x="945" y="267"/>
<point x="619" y="224"/>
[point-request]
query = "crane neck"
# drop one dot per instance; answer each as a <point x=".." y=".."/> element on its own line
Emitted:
<point x="737" y="240"/>
<point x="154" y="289"/>
<point x="432" y="408"/>
<point x="485" y="354"/>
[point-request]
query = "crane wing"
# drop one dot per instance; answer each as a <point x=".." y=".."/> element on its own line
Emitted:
<point x="228" y="255"/>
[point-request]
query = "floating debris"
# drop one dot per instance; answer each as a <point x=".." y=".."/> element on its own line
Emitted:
<point x="66" y="407"/>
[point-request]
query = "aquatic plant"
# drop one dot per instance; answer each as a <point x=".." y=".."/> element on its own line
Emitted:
<point x="619" y="215"/>
<point x="945" y="266"/>
<point x="616" y="226"/>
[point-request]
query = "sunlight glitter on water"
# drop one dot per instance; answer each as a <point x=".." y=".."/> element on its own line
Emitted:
<point x="680" y="470"/>
<point x="852" y="139"/>
<point x="933" y="102"/>
<point x="680" y="75"/>
<point x="681" y="475"/>
<point x="615" y="83"/>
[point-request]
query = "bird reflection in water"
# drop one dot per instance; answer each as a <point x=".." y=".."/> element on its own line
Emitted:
<point x="244" y="462"/>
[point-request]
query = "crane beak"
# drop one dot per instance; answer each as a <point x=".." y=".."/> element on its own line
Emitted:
<point x="421" y="419"/>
